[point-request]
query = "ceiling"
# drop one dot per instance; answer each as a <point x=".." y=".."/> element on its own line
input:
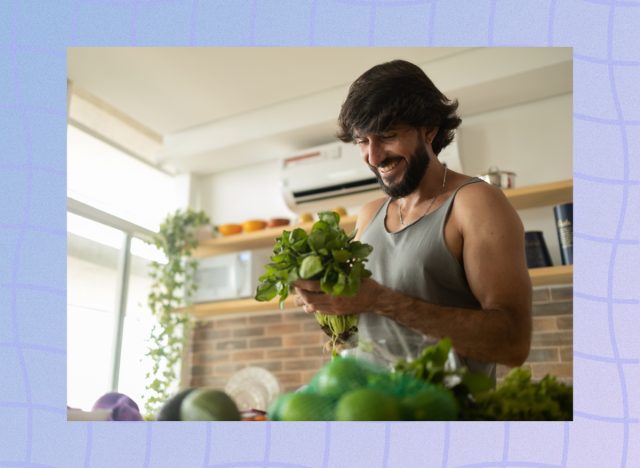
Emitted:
<point x="214" y="109"/>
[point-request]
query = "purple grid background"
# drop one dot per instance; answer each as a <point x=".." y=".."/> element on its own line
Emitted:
<point x="34" y="36"/>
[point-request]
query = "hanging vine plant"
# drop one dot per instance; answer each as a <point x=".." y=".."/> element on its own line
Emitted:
<point x="172" y="287"/>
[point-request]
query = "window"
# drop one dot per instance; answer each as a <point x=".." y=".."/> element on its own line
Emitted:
<point x="115" y="203"/>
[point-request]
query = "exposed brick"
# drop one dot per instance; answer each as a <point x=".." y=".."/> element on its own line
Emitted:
<point x="282" y="329"/>
<point x="247" y="355"/>
<point x="264" y="319"/>
<point x="565" y="323"/>
<point x="283" y="353"/>
<point x="217" y="357"/>
<point x="298" y="315"/>
<point x="302" y="339"/>
<point x="315" y="351"/>
<point x="560" y="338"/>
<point x="200" y="326"/>
<point x="196" y="382"/>
<point x="230" y="322"/>
<point x="563" y="369"/>
<point x="553" y="308"/>
<point x="248" y="331"/>
<point x="215" y="382"/>
<point x="271" y="342"/>
<point x="542" y="324"/>
<point x="215" y="334"/>
<point x="226" y="368"/>
<point x="289" y="378"/>
<point x="231" y="344"/>
<point x="564" y="293"/>
<point x="543" y="355"/>
<point x="273" y="366"/>
<point x="204" y="358"/>
<point x="200" y="370"/>
<point x="566" y="354"/>
<point x="310" y="326"/>
<point x="200" y="346"/>
<point x="302" y="364"/>
<point x="541" y="294"/>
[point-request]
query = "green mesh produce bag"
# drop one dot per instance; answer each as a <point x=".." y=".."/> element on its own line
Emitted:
<point x="318" y="400"/>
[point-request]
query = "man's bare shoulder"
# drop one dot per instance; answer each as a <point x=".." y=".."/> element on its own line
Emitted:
<point x="367" y="213"/>
<point x="481" y="195"/>
<point x="480" y="203"/>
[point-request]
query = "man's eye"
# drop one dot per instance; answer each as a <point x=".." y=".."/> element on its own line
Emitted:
<point x="388" y="136"/>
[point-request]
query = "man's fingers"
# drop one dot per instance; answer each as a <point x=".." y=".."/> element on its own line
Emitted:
<point x="307" y="285"/>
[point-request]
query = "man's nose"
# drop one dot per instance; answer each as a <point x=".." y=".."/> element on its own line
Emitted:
<point x="376" y="153"/>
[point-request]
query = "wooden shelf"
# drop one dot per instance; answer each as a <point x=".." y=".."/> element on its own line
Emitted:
<point x="532" y="196"/>
<point x="552" y="193"/>
<point x="257" y="239"/>
<point x="551" y="275"/>
<point x="539" y="277"/>
<point x="211" y="309"/>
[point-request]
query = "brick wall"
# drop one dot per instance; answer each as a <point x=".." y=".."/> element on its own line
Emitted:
<point x="290" y="344"/>
<point x="552" y="340"/>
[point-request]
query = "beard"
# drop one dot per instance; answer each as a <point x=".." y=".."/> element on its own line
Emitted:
<point x="416" y="169"/>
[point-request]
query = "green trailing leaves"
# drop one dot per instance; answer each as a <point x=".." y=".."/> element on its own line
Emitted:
<point x="171" y="289"/>
<point x="328" y="254"/>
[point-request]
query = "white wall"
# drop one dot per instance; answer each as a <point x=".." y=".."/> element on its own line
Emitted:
<point x="534" y="140"/>
<point x="252" y="192"/>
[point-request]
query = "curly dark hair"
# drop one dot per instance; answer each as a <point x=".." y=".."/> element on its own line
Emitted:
<point x="394" y="93"/>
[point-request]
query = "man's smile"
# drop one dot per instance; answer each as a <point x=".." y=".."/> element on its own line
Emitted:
<point x="388" y="165"/>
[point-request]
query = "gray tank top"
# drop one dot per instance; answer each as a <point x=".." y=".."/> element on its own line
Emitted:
<point x="416" y="262"/>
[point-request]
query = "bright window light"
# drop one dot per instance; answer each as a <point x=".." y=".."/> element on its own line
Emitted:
<point x="104" y="177"/>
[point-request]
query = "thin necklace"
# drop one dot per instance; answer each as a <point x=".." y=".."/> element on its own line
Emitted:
<point x="444" y="182"/>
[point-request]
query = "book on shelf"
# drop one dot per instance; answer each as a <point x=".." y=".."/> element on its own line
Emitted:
<point x="563" y="215"/>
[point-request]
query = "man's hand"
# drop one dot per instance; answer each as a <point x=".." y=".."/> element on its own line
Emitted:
<point x="311" y="298"/>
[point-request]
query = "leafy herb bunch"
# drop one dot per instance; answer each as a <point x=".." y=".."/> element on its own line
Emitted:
<point x="519" y="398"/>
<point x="327" y="253"/>
<point x="431" y="367"/>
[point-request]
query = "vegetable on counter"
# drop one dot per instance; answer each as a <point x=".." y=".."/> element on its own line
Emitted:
<point x="327" y="254"/>
<point x="422" y="390"/>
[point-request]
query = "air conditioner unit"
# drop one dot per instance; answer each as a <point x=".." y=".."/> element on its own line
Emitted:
<point x="324" y="173"/>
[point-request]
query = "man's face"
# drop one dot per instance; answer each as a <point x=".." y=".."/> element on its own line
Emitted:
<point x="398" y="158"/>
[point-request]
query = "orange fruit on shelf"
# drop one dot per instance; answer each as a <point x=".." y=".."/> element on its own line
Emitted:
<point x="253" y="225"/>
<point x="273" y="222"/>
<point x="229" y="229"/>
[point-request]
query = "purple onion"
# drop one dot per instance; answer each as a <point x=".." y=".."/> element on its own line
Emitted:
<point x="122" y="407"/>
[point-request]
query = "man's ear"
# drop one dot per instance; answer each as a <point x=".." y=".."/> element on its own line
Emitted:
<point x="430" y="134"/>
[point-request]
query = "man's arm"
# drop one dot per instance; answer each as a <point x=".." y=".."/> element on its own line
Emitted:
<point x="494" y="261"/>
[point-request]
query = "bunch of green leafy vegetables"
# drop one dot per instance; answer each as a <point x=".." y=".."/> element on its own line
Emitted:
<point x="328" y="254"/>
<point x="430" y="366"/>
<point x="519" y="398"/>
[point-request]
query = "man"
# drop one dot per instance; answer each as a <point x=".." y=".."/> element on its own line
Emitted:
<point x="448" y="250"/>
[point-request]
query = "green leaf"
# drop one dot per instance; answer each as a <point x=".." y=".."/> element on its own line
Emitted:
<point x="310" y="267"/>
<point x="266" y="291"/>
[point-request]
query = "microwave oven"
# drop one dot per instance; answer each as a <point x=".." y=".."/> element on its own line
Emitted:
<point x="230" y="276"/>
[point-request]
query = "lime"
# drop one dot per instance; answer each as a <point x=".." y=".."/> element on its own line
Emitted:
<point x="339" y="376"/>
<point x="275" y="408"/>
<point x="208" y="404"/>
<point x="367" y="404"/>
<point x="433" y="403"/>
<point x="170" y="411"/>
<point x="306" y="407"/>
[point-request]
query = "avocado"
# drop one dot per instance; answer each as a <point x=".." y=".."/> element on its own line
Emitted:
<point x="170" y="411"/>
<point x="208" y="404"/>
